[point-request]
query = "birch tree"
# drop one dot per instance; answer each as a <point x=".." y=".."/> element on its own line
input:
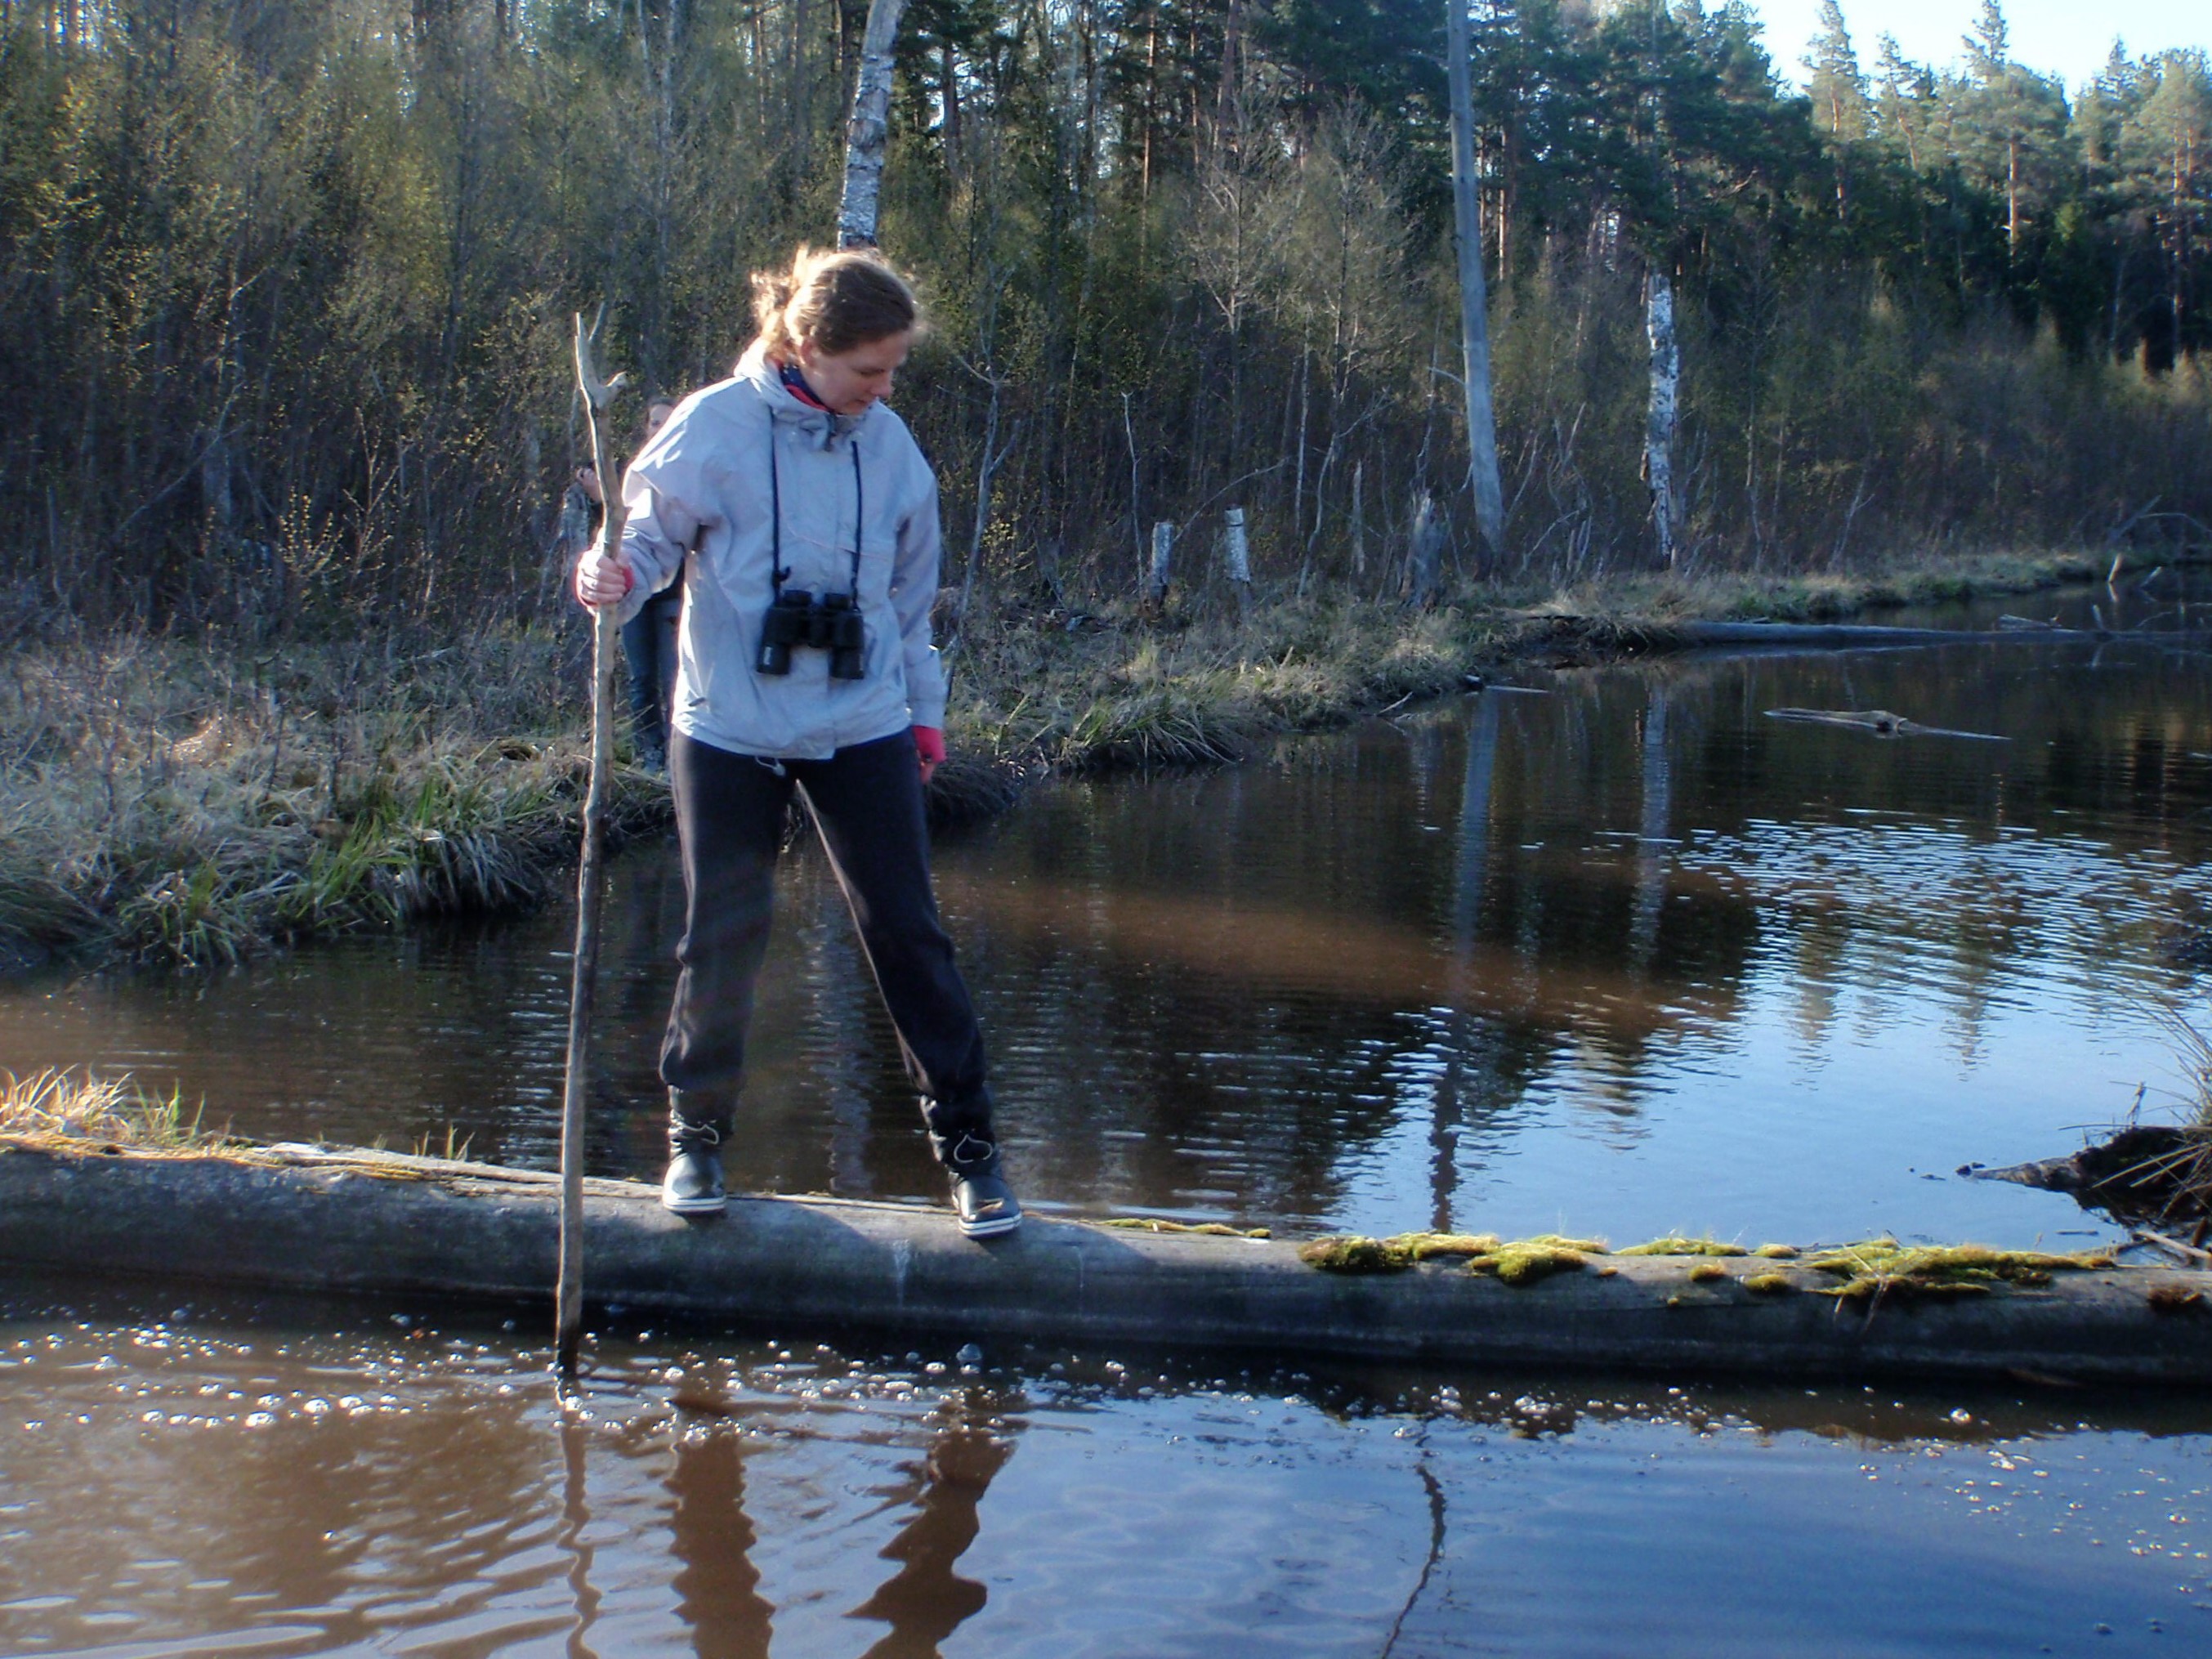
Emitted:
<point x="1474" y="301"/>
<point x="869" y="128"/>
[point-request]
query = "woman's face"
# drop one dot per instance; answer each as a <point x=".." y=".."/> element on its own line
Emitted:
<point x="849" y="381"/>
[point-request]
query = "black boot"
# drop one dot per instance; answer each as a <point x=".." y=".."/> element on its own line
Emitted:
<point x="696" y="1129"/>
<point x="960" y="1134"/>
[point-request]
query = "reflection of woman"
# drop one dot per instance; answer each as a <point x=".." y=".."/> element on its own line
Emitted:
<point x="802" y="499"/>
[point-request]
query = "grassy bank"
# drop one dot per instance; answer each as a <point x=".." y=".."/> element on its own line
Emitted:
<point x="198" y="801"/>
<point x="193" y="802"/>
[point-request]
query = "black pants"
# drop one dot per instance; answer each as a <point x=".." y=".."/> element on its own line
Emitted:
<point x="867" y="803"/>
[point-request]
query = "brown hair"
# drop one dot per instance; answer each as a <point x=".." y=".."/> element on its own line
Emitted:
<point x="837" y="300"/>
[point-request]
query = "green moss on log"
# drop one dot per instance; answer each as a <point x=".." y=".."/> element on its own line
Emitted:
<point x="1673" y="1245"/>
<point x="1877" y="1267"/>
<point x="1352" y="1253"/>
<point x="1146" y="1223"/>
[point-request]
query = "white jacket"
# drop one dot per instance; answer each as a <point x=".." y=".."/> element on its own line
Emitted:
<point x="698" y="498"/>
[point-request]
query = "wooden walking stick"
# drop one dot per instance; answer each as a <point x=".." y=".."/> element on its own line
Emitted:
<point x="569" y="1294"/>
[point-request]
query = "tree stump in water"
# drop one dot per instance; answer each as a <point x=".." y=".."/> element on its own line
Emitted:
<point x="2147" y="1173"/>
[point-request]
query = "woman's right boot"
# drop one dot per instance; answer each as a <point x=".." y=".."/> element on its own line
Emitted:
<point x="960" y="1134"/>
<point x="697" y="1126"/>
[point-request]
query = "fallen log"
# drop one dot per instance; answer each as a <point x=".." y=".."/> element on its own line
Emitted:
<point x="1799" y="635"/>
<point x="372" y="1223"/>
<point x="1880" y="721"/>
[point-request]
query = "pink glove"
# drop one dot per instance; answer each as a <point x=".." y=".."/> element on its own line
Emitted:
<point x="929" y="744"/>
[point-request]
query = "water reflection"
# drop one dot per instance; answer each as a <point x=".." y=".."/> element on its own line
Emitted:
<point x="1625" y="956"/>
<point x="717" y="1588"/>
<point x="221" y="1483"/>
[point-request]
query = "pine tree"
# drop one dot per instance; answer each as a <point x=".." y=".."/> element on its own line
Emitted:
<point x="1837" y="88"/>
<point x="1988" y="48"/>
<point x="2166" y="148"/>
<point x="1839" y="92"/>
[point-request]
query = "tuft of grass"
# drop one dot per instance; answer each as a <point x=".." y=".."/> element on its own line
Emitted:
<point x="1876" y="1267"/>
<point x="65" y="1107"/>
<point x="457" y="1146"/>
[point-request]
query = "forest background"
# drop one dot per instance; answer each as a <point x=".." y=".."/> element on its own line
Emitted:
<point x="288" y="284"/>
<point x="289" y="288"/>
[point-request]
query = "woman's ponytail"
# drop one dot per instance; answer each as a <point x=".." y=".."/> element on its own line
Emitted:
<point x="837" y="300"/>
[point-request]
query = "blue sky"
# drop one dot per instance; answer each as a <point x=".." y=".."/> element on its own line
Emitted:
<point x="2062" y="37"/>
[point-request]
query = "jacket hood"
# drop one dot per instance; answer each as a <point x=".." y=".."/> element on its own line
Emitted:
<point x="828" y="429"/>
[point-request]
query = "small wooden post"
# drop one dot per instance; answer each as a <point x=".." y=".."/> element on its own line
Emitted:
<point x="1358" y="521"/>
<point x="1156" y="579"/>
<point x="1238" y="547"/>
<point x="1425" y="559"/>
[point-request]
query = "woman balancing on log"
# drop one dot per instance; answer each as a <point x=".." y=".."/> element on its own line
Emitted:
<point x="803" y="517"/>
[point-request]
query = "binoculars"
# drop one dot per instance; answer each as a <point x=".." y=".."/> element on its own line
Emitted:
<point x="828" y="622"/>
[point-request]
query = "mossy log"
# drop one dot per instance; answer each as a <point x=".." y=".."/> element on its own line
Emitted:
<point x="382" y="1223"/>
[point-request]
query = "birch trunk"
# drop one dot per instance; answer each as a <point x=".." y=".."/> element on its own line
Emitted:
<point x="1662" y="414"/>
<point x="1156" y="579"/>
<point x="1238" y="546"/>
<point x="1474" y="301"/>
<point x="870" y="127"/>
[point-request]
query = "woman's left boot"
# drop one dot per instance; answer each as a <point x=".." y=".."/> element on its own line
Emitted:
<point x="960" y="1134"/>
<point x="697" y="1126"/>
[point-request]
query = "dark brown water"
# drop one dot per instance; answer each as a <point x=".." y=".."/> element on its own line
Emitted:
<point x="1619" y="955"/>
<point x="211" y="1480"/>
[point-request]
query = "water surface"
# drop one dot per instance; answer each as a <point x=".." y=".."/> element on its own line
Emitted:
<point x="214" y="1479"/>
<point x="1616" y="953"/>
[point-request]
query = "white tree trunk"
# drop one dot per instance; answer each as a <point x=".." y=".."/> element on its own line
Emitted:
<point x="1663" y="416"/>
<point x="1474" y="301"/>
<point x="1156" y="579"/>
<point x="1238" y="547"/>
<point x="865" y="136"/>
